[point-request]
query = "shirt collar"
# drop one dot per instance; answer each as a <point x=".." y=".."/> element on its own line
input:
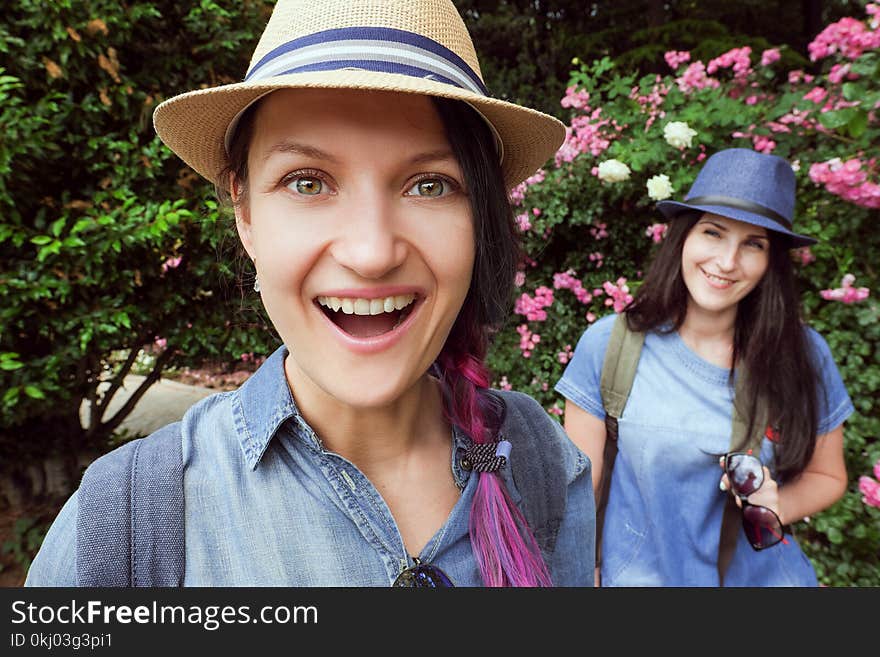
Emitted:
<point x="264" y="402"/>
<point x="261" y="405"/>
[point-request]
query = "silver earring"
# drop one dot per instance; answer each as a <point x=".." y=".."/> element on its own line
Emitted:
<point x="256" y="283"/>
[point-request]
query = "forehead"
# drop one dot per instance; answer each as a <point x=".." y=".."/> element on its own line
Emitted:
<point x="734" y="225"/>
<point x="350" y="118"/>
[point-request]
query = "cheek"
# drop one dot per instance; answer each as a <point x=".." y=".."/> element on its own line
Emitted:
<point x="758" y="266"/>
<point x="455" y="261"/>
<point x="690" y="256"/>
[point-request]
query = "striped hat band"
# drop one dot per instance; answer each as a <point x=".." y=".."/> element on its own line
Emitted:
<point x="379" y="49"/>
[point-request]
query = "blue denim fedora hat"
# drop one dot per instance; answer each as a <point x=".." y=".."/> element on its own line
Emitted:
<point x="743" y="184"/>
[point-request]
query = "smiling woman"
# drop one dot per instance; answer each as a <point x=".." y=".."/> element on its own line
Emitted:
<point x="368" y="169"/>
<point x="723" y="339"/>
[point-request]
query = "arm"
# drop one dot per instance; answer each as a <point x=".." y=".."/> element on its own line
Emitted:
<point x="821" y="484"/>
<point x="588" y="433"/>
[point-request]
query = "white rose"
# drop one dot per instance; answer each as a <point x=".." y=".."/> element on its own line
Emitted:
<point x="613" y="171"/>
<point x="678" y="134"/>
<point x="659" y="187"/>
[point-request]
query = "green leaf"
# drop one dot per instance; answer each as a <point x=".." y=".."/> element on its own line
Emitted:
<point x="835" y="535"/>
<point x="857" y="126"/>
<point x="11" y="395"/>
<point x="853" y="91"/>
<point x="837" y="118"/>
<point x="58" y="226"/>
<point x="34" y="392"/>
<point x="41" y="239"/>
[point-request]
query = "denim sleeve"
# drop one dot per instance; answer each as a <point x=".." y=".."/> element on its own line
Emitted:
<point x="574" y="558"/>
<point x="835" y="405"/>
<point x="55" y="563"/>
<point x="580" y="380"/>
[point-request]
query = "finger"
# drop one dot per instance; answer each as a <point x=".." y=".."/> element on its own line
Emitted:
<point x="724" y="484"/>
<point x="768" y="477"/>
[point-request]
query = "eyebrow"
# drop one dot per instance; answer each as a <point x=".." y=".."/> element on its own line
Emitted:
<point x="725" y="229"/>
<point x="433" y="156"/>
<point x="296" y="148"/>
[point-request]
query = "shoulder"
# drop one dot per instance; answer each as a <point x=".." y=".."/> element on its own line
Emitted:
<point x="164" y="443"/>
<point x="817" y="344"/>
<point x="598" y="333"/>
<point x="580" y="381"/>
<point x="55" y="562"/>
<point x="529" y="425"/>
<point x="593" y="343"/>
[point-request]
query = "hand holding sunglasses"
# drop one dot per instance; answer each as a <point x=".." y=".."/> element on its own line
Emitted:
<point x="744" y="475"/>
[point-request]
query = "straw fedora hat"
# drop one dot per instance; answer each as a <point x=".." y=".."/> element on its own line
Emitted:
<point x="407" y="46"/>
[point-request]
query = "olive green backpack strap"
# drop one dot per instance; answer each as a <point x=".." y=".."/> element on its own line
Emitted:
<point x="739" y="441"/>
<point x="618" y="372"/>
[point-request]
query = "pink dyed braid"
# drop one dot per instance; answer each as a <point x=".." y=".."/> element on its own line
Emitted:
<point x="503" y="543"/>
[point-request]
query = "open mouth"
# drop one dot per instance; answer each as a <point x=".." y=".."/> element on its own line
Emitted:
<point x="367" y="318"/>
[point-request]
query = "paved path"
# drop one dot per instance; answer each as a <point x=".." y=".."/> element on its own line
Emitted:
<point x="164" y="402"/>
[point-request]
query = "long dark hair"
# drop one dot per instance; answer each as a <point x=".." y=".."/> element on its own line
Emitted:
<point x="769" y="342"/>
<point x="503" y="543"/>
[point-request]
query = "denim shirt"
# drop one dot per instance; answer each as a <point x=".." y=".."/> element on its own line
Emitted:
<point x="267" y="505"/>
<point x="663" y="518"/>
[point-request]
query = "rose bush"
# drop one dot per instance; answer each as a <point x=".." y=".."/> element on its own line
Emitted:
<point x="592" y="224"/>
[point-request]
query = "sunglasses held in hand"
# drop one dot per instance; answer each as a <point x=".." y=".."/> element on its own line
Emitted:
<point x="745" y="474"/>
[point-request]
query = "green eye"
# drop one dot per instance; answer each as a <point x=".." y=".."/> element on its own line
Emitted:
<point x="429" y="187"/>
<point x="309" y="186"/>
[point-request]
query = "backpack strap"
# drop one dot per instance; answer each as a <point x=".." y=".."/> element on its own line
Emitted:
<point x="130" y="521"/>
<point x="537" y="464"/>
<point x="618" y="372"/>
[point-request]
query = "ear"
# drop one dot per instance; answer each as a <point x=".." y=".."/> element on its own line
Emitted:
<point x="242" y="216"/>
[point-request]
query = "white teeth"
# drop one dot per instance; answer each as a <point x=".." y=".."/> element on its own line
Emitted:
<point x="718" y="279"/>
<point x="363" y="306"/>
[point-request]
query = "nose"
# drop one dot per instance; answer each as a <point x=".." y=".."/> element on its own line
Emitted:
<point x="727" y="256"/>
<point x="369" y="243"/>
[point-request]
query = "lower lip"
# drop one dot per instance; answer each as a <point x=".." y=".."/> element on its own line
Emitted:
<point x="376" y="343"/>
<point x="714" y="283"/>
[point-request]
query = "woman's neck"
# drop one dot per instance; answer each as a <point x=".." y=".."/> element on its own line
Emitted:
<point x="710" y="335"/>
<point x="371" y="436"/>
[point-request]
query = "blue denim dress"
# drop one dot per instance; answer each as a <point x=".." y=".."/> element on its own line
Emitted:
<point x="664" y="510"/>
<point x="267" y="505"/>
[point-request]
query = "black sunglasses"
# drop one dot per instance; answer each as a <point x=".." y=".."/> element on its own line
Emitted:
<point x="423" y="576"/>
<point x="745" y="472"/>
